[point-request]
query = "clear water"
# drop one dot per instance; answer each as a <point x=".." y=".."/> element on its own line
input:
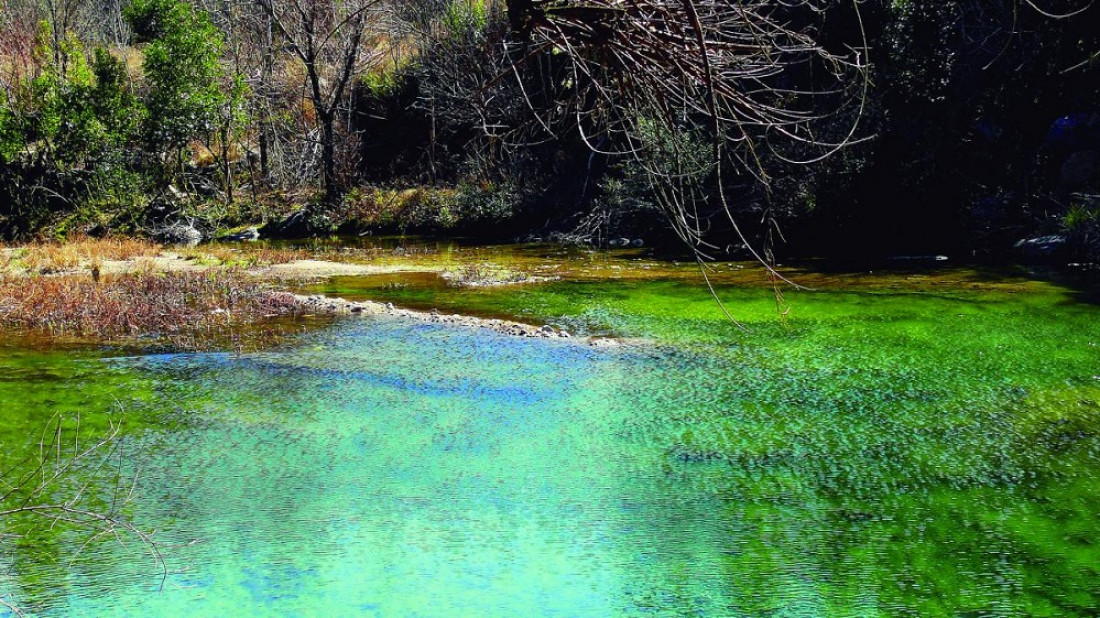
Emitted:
<point x="887" y="452"/>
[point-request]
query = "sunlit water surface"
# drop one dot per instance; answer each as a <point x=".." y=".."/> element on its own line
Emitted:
<point x="889" y="456"/>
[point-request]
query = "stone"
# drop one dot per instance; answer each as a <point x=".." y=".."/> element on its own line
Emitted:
<point x="247" y="235"/>
<point x="299" y="224"/>
<point x="178" y="234"/>
<point x="176" y="194"/>
<point x="1078" y="168"/>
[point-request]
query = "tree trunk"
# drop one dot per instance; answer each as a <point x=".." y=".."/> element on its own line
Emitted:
<point x="328" y="156"/>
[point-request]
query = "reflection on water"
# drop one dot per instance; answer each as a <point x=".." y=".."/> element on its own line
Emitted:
<point x="863" y="468"/>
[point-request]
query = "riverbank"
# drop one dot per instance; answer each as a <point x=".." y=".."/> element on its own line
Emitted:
<point x="120" y="290"/>
<point x="422" y="279"/>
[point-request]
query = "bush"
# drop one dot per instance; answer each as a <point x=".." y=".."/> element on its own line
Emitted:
<point x="1082" y="226"/>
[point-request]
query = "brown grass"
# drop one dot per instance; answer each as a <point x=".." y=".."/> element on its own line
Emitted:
<point x="244" y="257"/>
<point x="56" y="257"/>
<point x="7" y="254"/>
<point x="185" y="309"/>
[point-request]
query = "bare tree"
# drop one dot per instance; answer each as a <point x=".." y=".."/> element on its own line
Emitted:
<point x="333" y="41"/>
<point x="693" y="87"/>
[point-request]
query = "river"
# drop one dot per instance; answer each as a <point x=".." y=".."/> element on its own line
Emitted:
<point x="902" y="443"/>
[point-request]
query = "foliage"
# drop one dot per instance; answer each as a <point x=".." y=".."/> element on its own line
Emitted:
<point x="187" y="95"/>
<point x="11" y="135"/>
<point x="1082" y="225"/>
<point x="539" y="134"/>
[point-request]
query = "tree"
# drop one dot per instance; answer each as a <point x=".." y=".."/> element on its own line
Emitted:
<point x="331" y="40"/>
<point x="698" y="92"/>
<point x="189" y="95"/>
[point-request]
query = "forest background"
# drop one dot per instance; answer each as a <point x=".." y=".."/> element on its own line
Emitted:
<point x="872" y="128"/>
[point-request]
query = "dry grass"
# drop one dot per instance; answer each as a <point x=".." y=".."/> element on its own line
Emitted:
<point x="7" y="255"/>
<point x="245" y="257"/>
<point x="485" y="275"/>
<point x="58" y="257"/>
<point x="186" y="309"/>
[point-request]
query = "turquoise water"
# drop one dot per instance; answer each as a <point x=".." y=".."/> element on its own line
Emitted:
<point x="879" y="455"/>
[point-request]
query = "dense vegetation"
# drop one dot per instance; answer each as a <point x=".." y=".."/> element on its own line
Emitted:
<point x="966" y="124"/>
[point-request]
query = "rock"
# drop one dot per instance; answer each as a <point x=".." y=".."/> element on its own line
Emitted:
<point x="1041" y="247"/>
<point x="616" y="243"/>
<point x="299" y="224"/>
<point x="175" y="194"/>
<point x="247" y="235"/>
<point x="547" y="329"/>
<point x="637" y="242"/>
<point x="918" y="258"/>
<point x="564" y="333"/>
<point x="178" y="234"/>
<point x="1078" y="168"/>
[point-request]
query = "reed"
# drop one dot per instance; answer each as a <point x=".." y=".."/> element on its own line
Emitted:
<point x="241" y="257"/>
<point x="185" y="309"/>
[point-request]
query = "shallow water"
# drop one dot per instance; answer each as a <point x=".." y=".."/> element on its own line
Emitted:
<point x="900" y="445"/>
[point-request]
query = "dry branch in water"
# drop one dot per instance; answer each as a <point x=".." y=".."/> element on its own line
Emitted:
<point x="65" y="482"/>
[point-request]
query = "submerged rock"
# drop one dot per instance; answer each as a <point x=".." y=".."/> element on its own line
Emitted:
<point x="918" y="258"/>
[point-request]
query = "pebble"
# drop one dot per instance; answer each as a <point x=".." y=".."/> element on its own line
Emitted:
<point x="504" y="327"/>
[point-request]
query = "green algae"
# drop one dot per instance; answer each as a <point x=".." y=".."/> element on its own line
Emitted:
<point x="898" y="444"/>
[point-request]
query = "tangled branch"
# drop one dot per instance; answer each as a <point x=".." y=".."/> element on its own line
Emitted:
<point x="699" y="91"/>
<point x="62" y="484"/>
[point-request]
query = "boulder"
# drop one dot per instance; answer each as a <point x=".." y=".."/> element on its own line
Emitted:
<point x="247" y="235"/>
<point x="178" y="234"/>
<point x="301" y="223"/>
<point x="1078" y="169"/>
